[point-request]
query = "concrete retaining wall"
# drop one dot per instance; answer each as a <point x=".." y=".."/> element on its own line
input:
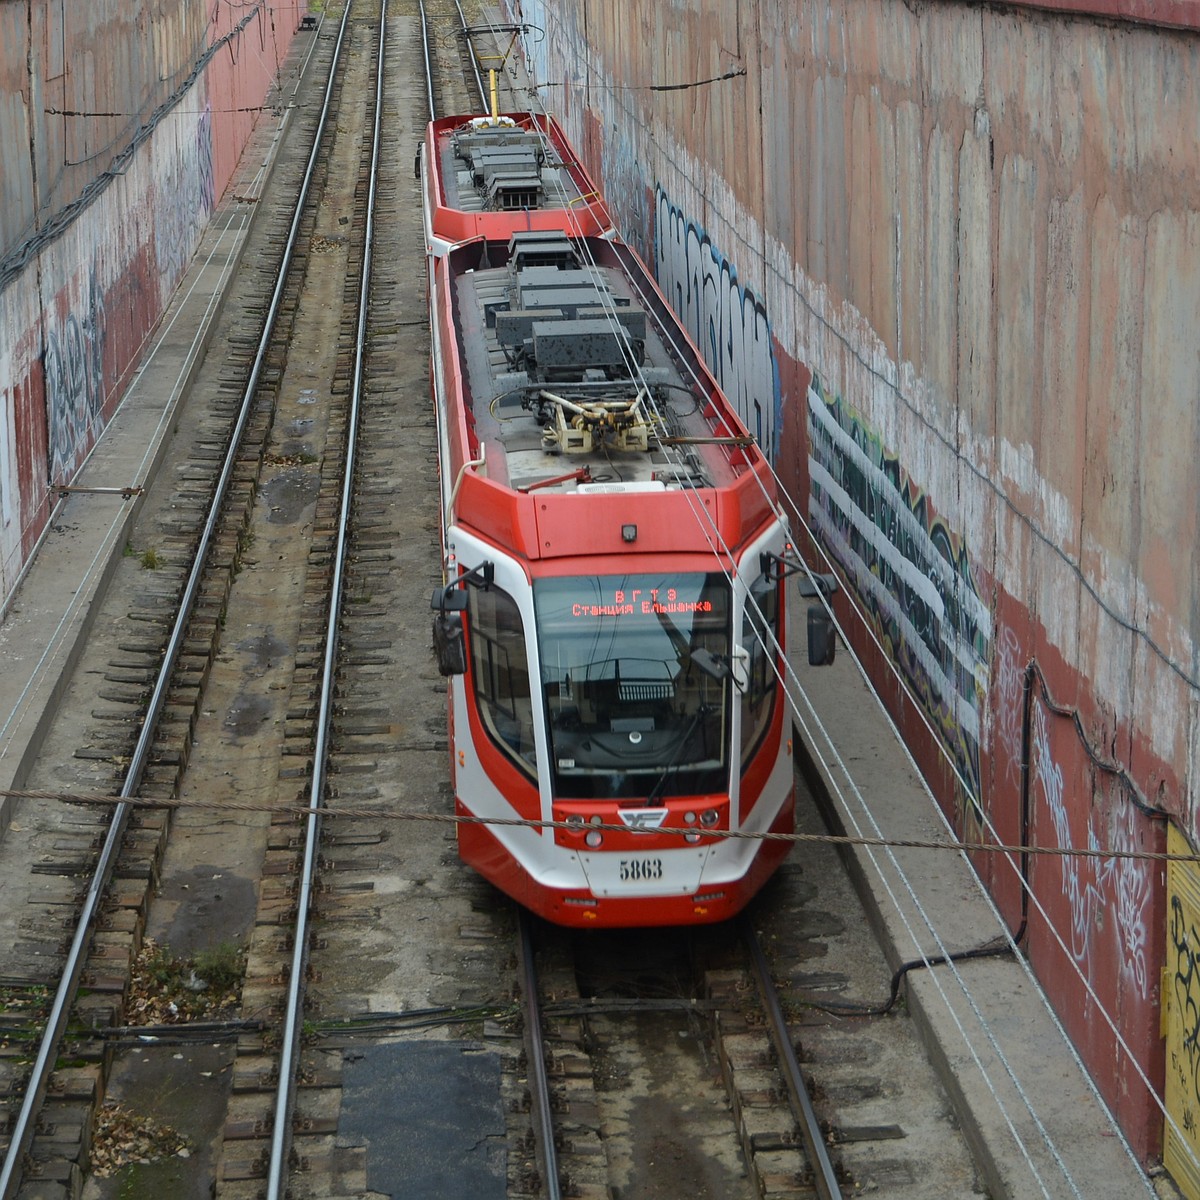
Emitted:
<point x="946" y="256"/>
<point x="121" y="126"/>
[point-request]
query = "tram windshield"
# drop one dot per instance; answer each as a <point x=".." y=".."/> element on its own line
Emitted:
<point x="636" y="681"/>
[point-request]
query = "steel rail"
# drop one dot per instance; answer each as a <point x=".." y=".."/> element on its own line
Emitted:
<point x="824" y="1177"/>
<point x="288" y="1055"/>
<point x="466" y="33"/>
<point x="539" y="1084"/>
<point x="23" y="1128"/>
<point x="428" y="63"/>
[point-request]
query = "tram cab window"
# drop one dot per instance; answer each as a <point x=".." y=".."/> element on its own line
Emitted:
<point x="636" y="683"/>
<point x="500" y="674"/>
<point x="760" y="636"/>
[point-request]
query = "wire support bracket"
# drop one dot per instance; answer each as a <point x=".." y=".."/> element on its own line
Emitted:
<point x="127" y="492"/>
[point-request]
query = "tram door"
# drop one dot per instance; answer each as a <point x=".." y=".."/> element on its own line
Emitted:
<point x="1181" y="1019"/>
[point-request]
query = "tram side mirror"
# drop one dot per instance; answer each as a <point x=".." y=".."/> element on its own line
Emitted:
<point x="448" y="643"/>
<point x="449" y="647"/>
<point x="449" y="599"/>
<point x="448" y="604"/>
<point x="822" y="637"/>
<point x="817" y="585"/>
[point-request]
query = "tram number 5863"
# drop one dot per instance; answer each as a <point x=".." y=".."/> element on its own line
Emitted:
<point x="639" y="870"/>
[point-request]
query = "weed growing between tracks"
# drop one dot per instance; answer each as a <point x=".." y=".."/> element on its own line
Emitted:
<point x="169" y="989"/>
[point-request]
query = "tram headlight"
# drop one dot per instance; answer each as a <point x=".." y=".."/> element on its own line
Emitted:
<point x="594" y="838"/>
<point x="709" y="817"/>
<point x="689" y="818"/>
<point x="693" y="838"/>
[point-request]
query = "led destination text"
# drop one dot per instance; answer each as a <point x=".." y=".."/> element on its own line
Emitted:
<point x="626" y="604"/>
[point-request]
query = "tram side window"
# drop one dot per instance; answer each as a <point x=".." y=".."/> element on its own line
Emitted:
<point x="500" y="674"/>
<point x="760" y="635"/>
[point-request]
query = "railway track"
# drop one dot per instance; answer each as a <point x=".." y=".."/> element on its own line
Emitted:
<point x="463" y="46"/>
<point x="453" y="83"/>
<point x="247" y="660"/>
<point x="697" y="1030"/>
<point x="410" y="965"/>
<point x="256" y="462"/>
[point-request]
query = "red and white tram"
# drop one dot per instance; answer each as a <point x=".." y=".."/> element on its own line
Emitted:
<point x="613" y="617"/>
<point x="492" y="176"/>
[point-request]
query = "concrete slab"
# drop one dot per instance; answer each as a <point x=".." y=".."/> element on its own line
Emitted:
<point x="430" y="1117"/>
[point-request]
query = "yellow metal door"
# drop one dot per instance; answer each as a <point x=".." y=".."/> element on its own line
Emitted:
<point x="1181" y="1002"/>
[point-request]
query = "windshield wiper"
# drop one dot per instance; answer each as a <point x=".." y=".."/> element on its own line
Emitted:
<point x="671" y="767"/>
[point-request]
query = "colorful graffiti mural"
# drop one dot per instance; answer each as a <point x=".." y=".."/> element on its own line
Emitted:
<point x="630" y="199"/>
<point x="82" y="285"/>
<point x="74" y="351"/>
<point x="727" y="321"/>
<point x="910" y="571"/>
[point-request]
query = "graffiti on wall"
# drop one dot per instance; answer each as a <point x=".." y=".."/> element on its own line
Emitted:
<point x="910" y="571"/>
<point x="1131" y="887"/>
<point x="186" y="196"/>
<point x="1185" y="984"/>
<point x="1010" y="701"/>
<point x="727" y="321"/>
<point x="8" y="459"/>
<point x="1096" y="888"/>
<point x="73" y="365"/>
<point x="625" y="189"/>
